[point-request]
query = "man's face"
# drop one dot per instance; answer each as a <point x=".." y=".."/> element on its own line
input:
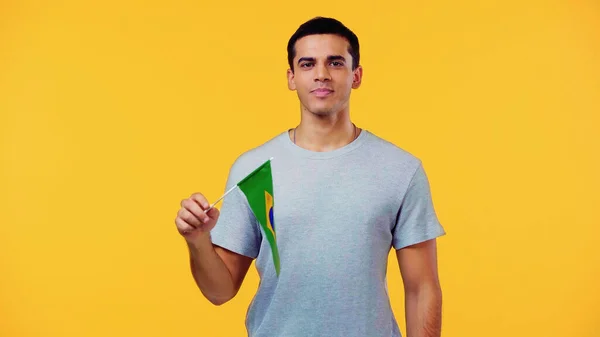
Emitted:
<point x="323" y="75"/>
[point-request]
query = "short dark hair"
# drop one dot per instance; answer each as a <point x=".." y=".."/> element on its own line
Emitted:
<point x="324" y="25"/>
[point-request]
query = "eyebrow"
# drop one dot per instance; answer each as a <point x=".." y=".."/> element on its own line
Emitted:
<point x="329" y="58"/>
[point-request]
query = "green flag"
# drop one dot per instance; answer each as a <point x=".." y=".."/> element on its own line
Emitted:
<point x="258" y="188"/>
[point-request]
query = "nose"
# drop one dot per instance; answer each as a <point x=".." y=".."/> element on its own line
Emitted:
<point x="322" y="73"/>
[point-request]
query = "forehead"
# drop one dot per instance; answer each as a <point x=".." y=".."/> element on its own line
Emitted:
<point x="321" y="45"/>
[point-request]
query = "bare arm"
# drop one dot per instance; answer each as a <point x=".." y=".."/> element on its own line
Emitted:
<point x="423" y="294"/>
<point x="218" y="272"/>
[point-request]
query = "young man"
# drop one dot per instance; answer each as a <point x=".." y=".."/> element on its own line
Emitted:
<point x="343" y="197"/>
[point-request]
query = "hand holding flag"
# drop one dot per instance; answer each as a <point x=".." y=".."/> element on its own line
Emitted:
<point x="195" y="218"/>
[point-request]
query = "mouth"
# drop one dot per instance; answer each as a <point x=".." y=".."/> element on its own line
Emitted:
<point x="322" y="92"/>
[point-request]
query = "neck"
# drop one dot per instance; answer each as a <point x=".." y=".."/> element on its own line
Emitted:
<point x="324" y="133"/>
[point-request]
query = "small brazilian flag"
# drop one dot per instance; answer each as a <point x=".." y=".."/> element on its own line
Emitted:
<point x="258" y="188"/>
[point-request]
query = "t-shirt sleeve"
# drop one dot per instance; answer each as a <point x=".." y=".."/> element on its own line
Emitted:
<point x="237" y="228"/>
<point x="416" y="221"/>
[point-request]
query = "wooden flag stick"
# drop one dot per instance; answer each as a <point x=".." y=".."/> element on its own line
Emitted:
<point x="224" y="195"/>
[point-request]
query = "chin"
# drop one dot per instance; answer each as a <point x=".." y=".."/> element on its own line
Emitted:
<point x="322" y="109"/>
<point x="322" y="112"/>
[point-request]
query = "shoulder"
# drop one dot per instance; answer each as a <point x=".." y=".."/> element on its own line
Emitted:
<point x="249" y="160"/>
<point x="388" y="155"/>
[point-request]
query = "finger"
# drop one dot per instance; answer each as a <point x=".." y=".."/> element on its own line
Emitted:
<point x="189" y="218"/>
<point x="196" y="210"/>
<point x="213" y="213"/>
<point x="201" y="200"/>
<point x="183" y="226"/>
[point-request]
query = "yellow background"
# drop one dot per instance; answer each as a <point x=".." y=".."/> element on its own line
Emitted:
<point x="112" y="112"/>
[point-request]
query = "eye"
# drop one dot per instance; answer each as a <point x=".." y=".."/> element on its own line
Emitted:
<point x="306" y="64"/>
<point x="337" y="63"/>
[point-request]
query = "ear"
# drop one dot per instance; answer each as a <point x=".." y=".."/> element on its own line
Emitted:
<point x="357" y="77"/>
<point x="290" y="78"/>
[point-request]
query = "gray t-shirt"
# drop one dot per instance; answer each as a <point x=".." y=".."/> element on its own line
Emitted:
<point x="337" y="214"/>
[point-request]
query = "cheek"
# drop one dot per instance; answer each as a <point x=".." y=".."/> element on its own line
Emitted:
<point x="345" y="81"/>
<point x="301" y="85"/>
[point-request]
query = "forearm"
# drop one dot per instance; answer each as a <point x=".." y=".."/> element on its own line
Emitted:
<point x="423" y="311"/>
<point x="210" y="272"/>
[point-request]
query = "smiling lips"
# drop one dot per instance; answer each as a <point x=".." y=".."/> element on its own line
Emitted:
<point x="322" y="92"/>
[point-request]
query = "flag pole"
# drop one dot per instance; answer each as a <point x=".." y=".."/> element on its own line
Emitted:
<point x="224" y="195"/>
